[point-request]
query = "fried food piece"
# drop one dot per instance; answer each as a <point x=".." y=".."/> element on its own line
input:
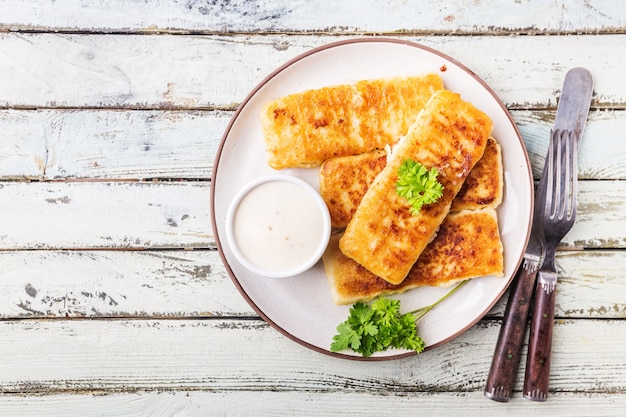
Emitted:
<point x="450" y="135"/>
<point x="467" y="246"/>
<point x="345" y="180"/>
<point x="304" y="129"/>
<point x="485" y="184"/>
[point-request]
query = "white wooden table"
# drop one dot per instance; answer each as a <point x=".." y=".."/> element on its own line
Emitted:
<point x="113" y="298"/>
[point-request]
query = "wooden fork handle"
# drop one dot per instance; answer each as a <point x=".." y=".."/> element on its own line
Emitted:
<point x="537" y="378"/>
<point x="507" y="353"/>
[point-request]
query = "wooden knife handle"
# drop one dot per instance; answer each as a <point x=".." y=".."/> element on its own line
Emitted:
<point x="507" y="353"/>
<point x="537" y="378"/>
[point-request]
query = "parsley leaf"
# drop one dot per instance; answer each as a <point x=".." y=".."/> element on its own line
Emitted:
<point x="418" y="184"/>
<point x="346" y="338"/>
<point x="358" y="332"/>
<point x="378" y="326"/>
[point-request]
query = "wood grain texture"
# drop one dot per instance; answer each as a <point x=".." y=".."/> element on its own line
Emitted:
<point x="82" y="355"/>
<point x="105" y="215"/>
<point x="129" y="72"/>
<point x="176" y="283"/>
<point x="111" y="115"/>
<point x="88" y="144"/>
<point x="142" y="215"/>
<point x="369" y="16"/>
<point x="101" y="284"/>
<point x="602" y="149"/>
<point x="287" y="404"/>
<point x="62" y="144"/>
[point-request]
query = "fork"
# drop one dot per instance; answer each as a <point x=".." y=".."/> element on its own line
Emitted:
<point x="559" y="215"/>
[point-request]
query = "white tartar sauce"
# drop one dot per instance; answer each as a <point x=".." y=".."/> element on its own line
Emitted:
<point x="278" y="226"/>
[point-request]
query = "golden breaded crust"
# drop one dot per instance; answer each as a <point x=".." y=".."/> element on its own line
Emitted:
<point x="484" y="185"/>
<point x="390" y="106"/>
<point x="304" y="129"/>
<point x="383" y="236"/>
<point x="467" y="246"/>
<point x="345" y="180"/>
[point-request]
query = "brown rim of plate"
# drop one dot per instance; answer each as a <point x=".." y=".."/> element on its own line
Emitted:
<point x="215" y="170"/>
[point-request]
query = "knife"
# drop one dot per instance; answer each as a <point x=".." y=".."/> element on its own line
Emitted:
<point x="571" y="118"/>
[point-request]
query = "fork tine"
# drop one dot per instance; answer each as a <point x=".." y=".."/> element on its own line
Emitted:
<point x="562" y="184"/>
<point x="569" y="184"/>
<point x="554" y="172"/>
<point x="573" y="174"/>
<point x="564" y="188"/>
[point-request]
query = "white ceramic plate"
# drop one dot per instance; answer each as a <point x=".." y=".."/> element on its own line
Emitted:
<point x="301" y="307"/>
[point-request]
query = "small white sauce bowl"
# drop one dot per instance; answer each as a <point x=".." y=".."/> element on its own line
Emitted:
<point x="253" y="235"/>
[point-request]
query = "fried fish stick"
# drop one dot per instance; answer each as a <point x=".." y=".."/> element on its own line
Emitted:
<point x="304" y="129"/>
<point x="345" y="180"/>
<point x="484" y="186"/>
<point x="467" y="246"/>
<point x="450" y="135"/>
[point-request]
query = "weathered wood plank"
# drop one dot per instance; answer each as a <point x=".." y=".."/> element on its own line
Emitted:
<point x="59" y="355"/>
<point x="22" y="144"/>
<point x="130" y="72"/>
<point x="41" y="215"/>
<point x="93" y="331"/>
<point x="144" y="215"/>
<point x="117" y="284"/>
<point x="75" y="144"/>
<point x="309" y="16"/>
<point x="601" y="205"/>
<point x="153" y="284"/>
<point x="603" y="147"/>
<point x="288" y="404"/>
<point x="69" y="144"/>
<point x="131" y="144"/>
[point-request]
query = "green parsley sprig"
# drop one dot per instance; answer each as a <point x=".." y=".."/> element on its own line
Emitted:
<point x="378" y="326"/>
<point x="418" y="184"/>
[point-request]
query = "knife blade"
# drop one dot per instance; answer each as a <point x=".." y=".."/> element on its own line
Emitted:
<point x="573" y="107"/>
<point x="571" y="118"/>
